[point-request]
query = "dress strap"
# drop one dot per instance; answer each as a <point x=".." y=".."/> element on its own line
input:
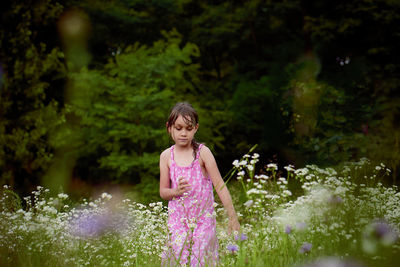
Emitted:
<point x="198" y="151"/>
<point x="172" y="152"/>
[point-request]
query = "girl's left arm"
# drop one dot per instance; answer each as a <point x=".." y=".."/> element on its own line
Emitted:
<point x="220" y="187"/>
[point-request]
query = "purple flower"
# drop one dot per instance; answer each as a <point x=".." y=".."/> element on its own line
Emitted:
<point x="381" y="229"/>
<point x="384" y="232"/>
<point x="306" y="247"/>
<point x="89" y="223"/>
<point x="243" y="237"/>
<point x="232" y="248"/>
<point x="288" y="229"/>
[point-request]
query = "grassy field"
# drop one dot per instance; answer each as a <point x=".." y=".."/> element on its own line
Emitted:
<point x="289" y="217"/>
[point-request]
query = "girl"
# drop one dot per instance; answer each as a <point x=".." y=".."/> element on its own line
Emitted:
<point x="188" y="172"/>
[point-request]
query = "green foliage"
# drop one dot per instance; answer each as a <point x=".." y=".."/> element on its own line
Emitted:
<point x="266" y="72"/>
<point x="122" y="108"/>
<point x="29" y="101"/>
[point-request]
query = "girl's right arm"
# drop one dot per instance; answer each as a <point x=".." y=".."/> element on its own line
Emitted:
<point x="166" y="192"/>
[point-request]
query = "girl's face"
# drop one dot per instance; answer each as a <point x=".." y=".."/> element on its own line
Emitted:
<point x="181" y="132"/>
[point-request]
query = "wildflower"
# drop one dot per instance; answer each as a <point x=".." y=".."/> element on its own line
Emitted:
<point x="62" y="196"/>
<point x="378" y="233"/>
<point x="252" y="191"/>
<point x="242" y="237"/>
<point x="301" y="172"/>
<point x="232" y="248"/>
<point x="305" y="248"/>
<point x="288" y="229"/>
<point x="243" y="162"/>
<point x="241" y="173"/>
<point x="272" y="166"/>
<point x="107" y="196"/>
<point x="384" y="232"/>
<point x="250" y="167"/>
<point x="286" y="193"/>
<point x="289" y="168"/>
<point x="236" y="163"/>
<point x="249" y="203"/>
<point x="255" y="156"/>
<point x="90" y="225"/>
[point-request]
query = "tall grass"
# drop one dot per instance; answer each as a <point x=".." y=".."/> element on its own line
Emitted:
<point x="304" y="217"/>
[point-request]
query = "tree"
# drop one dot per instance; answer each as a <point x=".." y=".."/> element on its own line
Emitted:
<point x="32" y="91"/>
<point x="122" y="108"/>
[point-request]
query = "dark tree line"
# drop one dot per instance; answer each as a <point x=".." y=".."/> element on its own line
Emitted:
<point x="87" y="85"/>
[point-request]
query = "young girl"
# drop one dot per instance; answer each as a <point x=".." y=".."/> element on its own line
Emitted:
<point x="188" y="172"/>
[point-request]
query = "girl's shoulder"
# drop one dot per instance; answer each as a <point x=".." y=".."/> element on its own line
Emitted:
<point x="203" y="148"/>
<point x="166" y="154"/>
<point x="205" y="152"/>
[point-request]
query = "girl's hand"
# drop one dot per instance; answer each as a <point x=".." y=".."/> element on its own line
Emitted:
<point x="233" y="225"/>
<point x="183" y="186"/>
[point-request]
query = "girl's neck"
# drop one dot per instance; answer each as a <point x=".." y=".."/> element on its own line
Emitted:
<point x="186" y="148"/>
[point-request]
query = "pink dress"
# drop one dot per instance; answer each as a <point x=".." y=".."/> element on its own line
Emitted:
<point x="192" y="225"/>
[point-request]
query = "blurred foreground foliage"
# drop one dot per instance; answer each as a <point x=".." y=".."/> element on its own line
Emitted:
<point x="311" y="82"/>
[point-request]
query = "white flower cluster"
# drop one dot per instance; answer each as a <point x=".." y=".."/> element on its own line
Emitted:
<point x="332" y="210"/>
<point x="246" y="165"/>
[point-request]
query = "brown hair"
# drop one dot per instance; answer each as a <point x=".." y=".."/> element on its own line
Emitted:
<point x="189" y="116"/>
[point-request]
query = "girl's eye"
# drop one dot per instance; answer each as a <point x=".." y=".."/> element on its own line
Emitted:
<point x="178" y="128"/>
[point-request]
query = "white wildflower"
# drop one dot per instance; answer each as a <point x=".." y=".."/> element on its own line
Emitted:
<point x="62" y="196"/>
<point x="272" y="166"/>
<point x="107" y="196"/>
<point x="249" y="203"/>
<point x="289" y="168"/>
<point x="236" y="163"/>
<point x="243" y="162"/>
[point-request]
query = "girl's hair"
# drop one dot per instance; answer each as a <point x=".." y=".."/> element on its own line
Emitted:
<point x="189" y="116"/>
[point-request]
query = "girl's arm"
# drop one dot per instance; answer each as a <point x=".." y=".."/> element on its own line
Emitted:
<point x="220" y="187"/>
<point x="166" y="192"/>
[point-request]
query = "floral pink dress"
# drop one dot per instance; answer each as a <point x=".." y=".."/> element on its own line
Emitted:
<point x="192" y="225"/>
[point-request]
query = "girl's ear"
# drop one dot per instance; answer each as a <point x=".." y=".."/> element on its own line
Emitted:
<point x="168" y="128"/>
<point x="196" y="127"/>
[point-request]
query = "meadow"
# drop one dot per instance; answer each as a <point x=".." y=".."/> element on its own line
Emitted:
<point x="289" y="217"/>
